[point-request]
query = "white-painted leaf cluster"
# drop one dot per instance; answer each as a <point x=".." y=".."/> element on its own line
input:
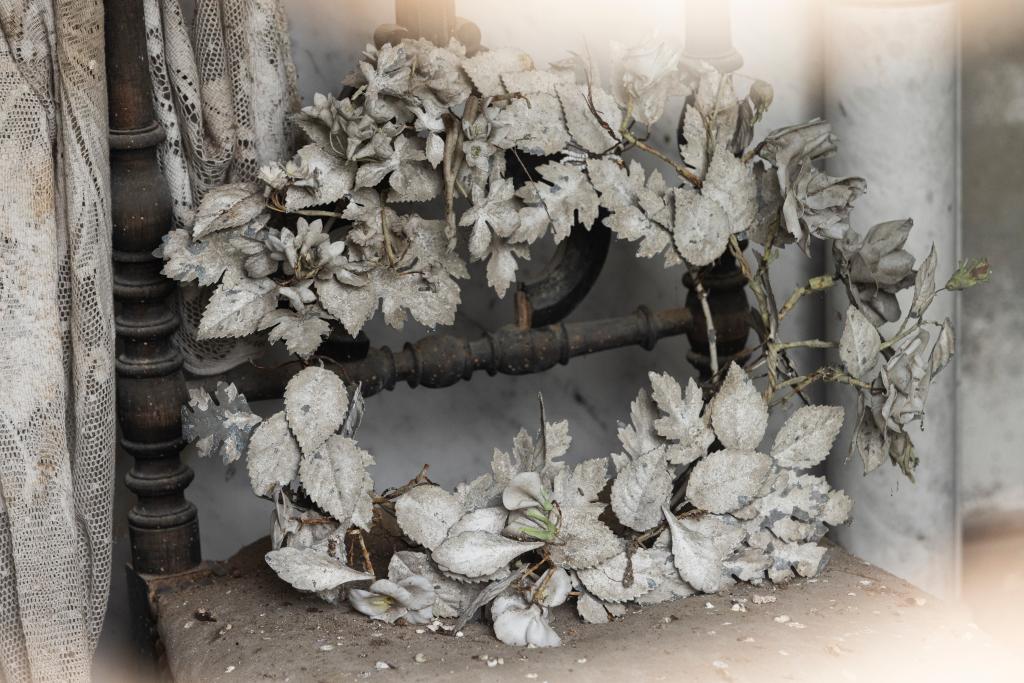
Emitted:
<point x="511" y="152"/>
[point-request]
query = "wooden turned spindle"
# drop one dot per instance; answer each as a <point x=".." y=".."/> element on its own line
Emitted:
<point x="163" y="525"/>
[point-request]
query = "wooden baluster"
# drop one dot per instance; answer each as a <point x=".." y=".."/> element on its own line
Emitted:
<point x="163" y="525"/>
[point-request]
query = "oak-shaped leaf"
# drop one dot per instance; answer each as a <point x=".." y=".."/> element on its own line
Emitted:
<point x="730" y="182"/>
<point x="302" y="333"/>
<point x="273" y="456"/>
<point x="222" y="423"/>
<point x="315" y="402"/>
<point x="478" y="553"/>
<point x="228" y="206"/>
<point x="860" y="345"/>
<point x="426" y="513"/>
<point x="681" y="421"/>
<point x="738" y="412"/>
<point x="311" y="570"/>
<point x="807" y="436"/>
<point x="566" y="195"/>
<point x="727" y="480"/>
<point x="204" y="261"/>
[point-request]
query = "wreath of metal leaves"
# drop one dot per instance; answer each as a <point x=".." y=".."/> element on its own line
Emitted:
<point x="333" y="236"/>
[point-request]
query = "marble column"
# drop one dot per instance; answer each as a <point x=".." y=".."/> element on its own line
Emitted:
<point x="891" y="92"/>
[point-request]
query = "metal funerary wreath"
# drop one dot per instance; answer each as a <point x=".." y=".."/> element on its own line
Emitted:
<point x="514" y="153"/>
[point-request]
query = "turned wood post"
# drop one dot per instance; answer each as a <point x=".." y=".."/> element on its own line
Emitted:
<point x="163" y="525"/>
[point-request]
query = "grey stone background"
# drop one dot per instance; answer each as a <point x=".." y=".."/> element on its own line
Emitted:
<point x="782" y="41"/>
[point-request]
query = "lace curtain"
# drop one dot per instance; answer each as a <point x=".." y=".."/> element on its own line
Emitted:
<point x="223" y="86"/>
<point x="56" y="339"/>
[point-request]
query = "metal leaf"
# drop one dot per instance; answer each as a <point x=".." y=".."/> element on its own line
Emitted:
<point x="315" y="403"/>
<point x="222" y="423"/>
<point x="478" y="553"/>
<point x="730" y="182"/>
<point x="640" y="489"/>
<point x="697" y="553"/>
<point x="738" y="412"/>
<point x="228" y="206"/>
<point x="727" y="480"/>
<point x="807" y="436"/>
<point x="622" y="578"/>
<point x="312" y="570"/>
<point x="860" y="345"/>
<point x="924" y="285"/>
<point x="682" y="421"/>
<point x="426" y="513"/>
<point x="702" y="227"/>
<point x="486" y="69"/>
<point x="335" y="477"/>
<point x="273" y="456"/>
<point x="450" y="597"/>
<point x="236" y="308"/>
<point x="942" y="352"/>
<point x="583" y="539"/>
<point x="594" y="133"/>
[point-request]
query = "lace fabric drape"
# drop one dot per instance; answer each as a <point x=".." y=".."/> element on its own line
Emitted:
<point x="223" y="85"/>
<point x="56" y="339"/>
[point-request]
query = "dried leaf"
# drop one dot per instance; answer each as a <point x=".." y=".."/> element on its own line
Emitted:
<point x="738" y="412"/>
<point x="478" y="553"/>
<point x="870" y="443"/>
<point x="669" y="586"/>
<point x="316" y="403"/>
<point x="727" y="480"/>
<point x="426" y="513"/>
<point x="312" y="570"/>
<point x="228" y="206"/>
<point x="807" y="436"/>
<point x="860" y="346"/>
<point x="273" y="456"/>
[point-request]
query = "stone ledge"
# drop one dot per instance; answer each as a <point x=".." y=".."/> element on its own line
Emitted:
<point x="854" y="622"/>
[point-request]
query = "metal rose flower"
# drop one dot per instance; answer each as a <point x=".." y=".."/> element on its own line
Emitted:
<point x="879" y="267"/>
<point x="647" y="75"/>
<point x="411" y="599"/>
<point x="516" y="622"/>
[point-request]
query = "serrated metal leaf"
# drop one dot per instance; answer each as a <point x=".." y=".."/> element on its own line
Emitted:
<point x="807" y="436"/>
<point x="478" y="553"/>
<point x="228" y="206"/>
<point x="335" y="477"/>
<point x="727" y="480"/>
<point x="273" y="456"/>
<point x="426" y="513"/>
<point x="312" y="570"/>
<point x="315" y="402"/>
<point x="682" y="421"/>
<point x="860" y="345"/>
<point x="738" y="412"/>
<point x="640" y="489"/>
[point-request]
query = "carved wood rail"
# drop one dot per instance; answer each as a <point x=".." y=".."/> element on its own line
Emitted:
<point x="163" y="524"/>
